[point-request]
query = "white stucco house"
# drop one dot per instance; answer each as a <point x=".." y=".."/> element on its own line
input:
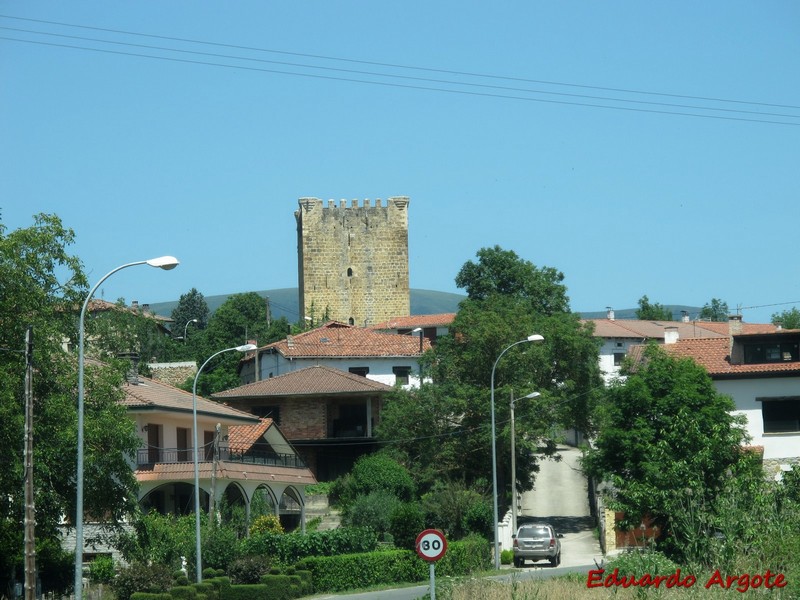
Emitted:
<point x="387" y="358"/>
<point x="761" y="372"/>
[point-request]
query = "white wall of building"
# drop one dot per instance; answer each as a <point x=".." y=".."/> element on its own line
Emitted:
<point x="745" y="393"/>
<point x="380" y="368"/>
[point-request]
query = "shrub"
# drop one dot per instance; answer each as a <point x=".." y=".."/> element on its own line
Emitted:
<point x="292" y="547"/>
<point x="506" y="557"/>
<point x="266" y="524"/>
<point x="406" y="522"/>
<point x="371" y="473"/>
<point x="101" y="570"/>
<point x="636" y="562"/>
<point x="248" y="569"/>
<point x="139" y="577"/>
<point x="220" y="547"/>
<point x="373" y="510"/>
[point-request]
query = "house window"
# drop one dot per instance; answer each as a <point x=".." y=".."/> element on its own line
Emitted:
<point x="781" y="415"/>
<point x="363" y="371"/>
<point x="618" y="358"/>
<point x="401" y="374"/>
<point x="769" y="352"/>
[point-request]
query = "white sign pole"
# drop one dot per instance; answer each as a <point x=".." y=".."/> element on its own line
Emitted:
<point x="433" y="581"/>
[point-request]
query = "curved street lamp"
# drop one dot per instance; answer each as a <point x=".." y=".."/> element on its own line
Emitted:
<point x="163" y="262"/>
<point x="185" y="327"/>
<point x="496" y="551"/>
<point x="198" y="559"/>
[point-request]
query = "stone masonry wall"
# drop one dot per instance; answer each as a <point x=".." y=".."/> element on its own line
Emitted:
<point x="353" y="260"/>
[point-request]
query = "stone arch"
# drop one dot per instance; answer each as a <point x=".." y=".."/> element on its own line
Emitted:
<point x="292" y="509"/>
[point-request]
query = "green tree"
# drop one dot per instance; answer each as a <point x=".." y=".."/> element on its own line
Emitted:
<point x="666" y="445"/>
<point x="191" y="305"/>
<point x="442" y="429"/>
<point x="240" y="319"/>
<point x="716" y="310"/>
<point x="42" y="285"/>
<point x="652" y="312"/>
<point x="788" y="319"/>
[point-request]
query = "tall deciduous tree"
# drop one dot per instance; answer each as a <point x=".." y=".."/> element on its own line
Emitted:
<point x="509" y="299"/>
<point x="240" y="319"/>
<point x="191" y="305"/>
<point x="652" y="312"/>
<point x="42" y="285"/>
<point x="667" y="443"/>
<point x="716" y="310"/>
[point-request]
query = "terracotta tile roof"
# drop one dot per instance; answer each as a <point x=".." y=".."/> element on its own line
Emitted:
<point x="652" y="330"/>
<point x="414" y="321"/>
<point x="714" y="356"/>
<point x="243" y="437"/>
<point x="337" y="340"/>
<point x="149" y="394"/>
<point x="747" y="328"/>
<point x="315" y="380"/>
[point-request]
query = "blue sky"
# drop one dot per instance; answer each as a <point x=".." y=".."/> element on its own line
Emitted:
<point x="560" y="130"/>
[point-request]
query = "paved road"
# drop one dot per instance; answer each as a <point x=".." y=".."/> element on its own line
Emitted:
<point x="560" y="497"/>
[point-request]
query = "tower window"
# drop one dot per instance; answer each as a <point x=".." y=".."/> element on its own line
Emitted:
<point x="349" y="272"/>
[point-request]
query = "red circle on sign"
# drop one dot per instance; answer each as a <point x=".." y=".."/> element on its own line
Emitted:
<point x="431" y="545"/>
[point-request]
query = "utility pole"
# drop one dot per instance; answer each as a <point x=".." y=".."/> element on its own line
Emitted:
<point x="30" y="510"/>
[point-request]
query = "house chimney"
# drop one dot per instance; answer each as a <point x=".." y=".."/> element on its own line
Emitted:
<point x="685" y="316"/>
<point x="670" y="334"/>
<point x="145" y="308"/>
<point x="132" y="376"/>
<point x="609" y="313"/>
<point x="734" y="324"/>
<point x="290" y="341"/>
<point x="135" y="304"/>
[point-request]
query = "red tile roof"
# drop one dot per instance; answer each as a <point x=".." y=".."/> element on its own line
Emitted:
<point x="414" y="321"/>
<point x="315" y="380"/>
<point x="337" y="340"/>
<point x="650" y="330"/>
<point x="243" y="437"/>
<point x="226" y="470"/>
<point x="714" y="356"/>
<point x="149" y="394"/>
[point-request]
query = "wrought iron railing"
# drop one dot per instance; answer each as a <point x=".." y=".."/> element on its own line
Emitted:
<point x="150" y="456"/>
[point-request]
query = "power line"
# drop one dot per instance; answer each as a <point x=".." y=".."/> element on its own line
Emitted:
<point x="422" y="79"/>
<point x="395" y="76"/>
<point x="401" y="66"/>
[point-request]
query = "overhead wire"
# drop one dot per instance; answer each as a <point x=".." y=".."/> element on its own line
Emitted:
<point x="492" y="89"/>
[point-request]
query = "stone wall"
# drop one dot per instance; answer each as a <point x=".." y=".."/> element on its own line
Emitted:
<point x="353" y="260"/>
<point x="174" y="374"/>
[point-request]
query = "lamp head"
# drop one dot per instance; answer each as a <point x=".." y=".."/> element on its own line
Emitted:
<point x="531" y="395"/>
<point x="246" y="348"/>
<point x="416" y="330"/>
<point x="535" y="338"/>
<point x="164" y="262"/>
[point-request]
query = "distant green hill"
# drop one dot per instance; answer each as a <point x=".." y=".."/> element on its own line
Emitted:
<point x="284" y="303"/>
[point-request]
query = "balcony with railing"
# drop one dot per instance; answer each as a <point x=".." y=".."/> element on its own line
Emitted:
<point x="146" y="457"/>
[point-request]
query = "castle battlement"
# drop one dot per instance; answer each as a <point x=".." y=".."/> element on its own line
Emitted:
<point x="309" y="204"/>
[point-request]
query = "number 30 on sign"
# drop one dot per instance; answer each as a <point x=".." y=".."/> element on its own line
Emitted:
<point x="431" y="545"/>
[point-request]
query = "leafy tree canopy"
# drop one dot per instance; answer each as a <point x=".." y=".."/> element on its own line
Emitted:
<point x="667" y="441"/>
<point x="42" y="285"/>
<point x="191" y="305"/>
<point x="788" y="319"/>
<point x="716" y="310"/>
<point x="652" y="312"/>
<point x="446" y="423"/>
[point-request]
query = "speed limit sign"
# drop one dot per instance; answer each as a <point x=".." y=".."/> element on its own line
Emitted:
<point x="431" y="545"/>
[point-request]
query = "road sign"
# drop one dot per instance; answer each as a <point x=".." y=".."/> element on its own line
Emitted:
<point x="431" y="545"/>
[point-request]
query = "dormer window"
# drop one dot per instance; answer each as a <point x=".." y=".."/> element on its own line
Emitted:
<point x="771" y="352"/>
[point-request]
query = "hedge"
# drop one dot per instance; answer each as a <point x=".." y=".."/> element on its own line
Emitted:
<point x="354" y="571"/>
<point x="289" y="548"/>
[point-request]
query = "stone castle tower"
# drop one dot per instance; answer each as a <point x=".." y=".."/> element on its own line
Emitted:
<point x="353" y="260"/>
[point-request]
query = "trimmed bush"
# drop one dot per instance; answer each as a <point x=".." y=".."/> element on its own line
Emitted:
<point x="183" y="592"/>
<point x="149" y="596"/>
<point x="353" y="571"/>
<point x="248" y="569"/>
<point x="289" y="548"/>
<point x="407" y="521"/>
<point x="138" y="577"/>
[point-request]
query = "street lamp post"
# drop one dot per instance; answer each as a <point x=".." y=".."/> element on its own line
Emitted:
<point x="496" y="552"/>
<point x="163" y="262"/>
<point x="185" y="327"/>
<point x="198" y="559"/>
<point x="514" y="461"/>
